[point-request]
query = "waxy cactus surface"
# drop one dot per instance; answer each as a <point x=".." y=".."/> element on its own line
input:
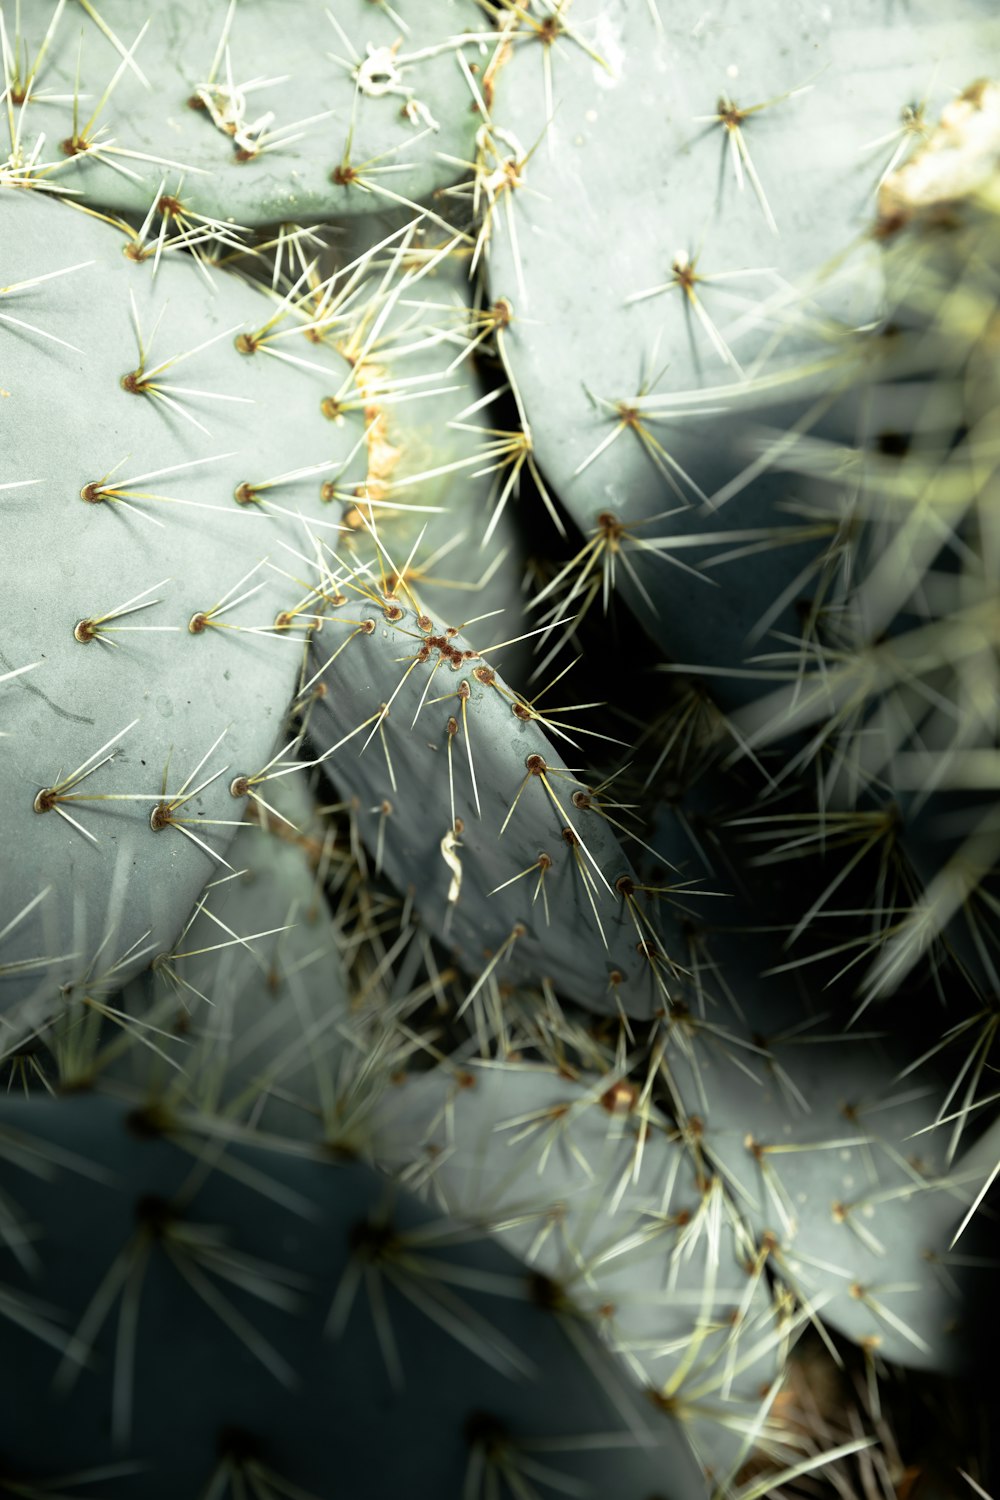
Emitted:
<point x="498" y="749"/>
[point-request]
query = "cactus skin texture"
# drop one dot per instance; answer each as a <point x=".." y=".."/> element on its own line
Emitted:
<point x="125" y="100"/>
<point x="498" y="691"/>
<point x="281" y="1382"/>
<point x="749" y="559"/>
<point x="136" y="437"/>
<point x="494" y="799"/>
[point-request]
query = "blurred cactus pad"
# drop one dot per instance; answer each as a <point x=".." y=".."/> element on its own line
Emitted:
<point x="499" y="749"/>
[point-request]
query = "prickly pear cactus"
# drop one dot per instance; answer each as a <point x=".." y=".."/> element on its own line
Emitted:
<point x="163" y="650"/>
<point x="256" y="122"/>
<point x="464" y="796"/>
<point x="176" y="521"/>
<point x="463" y="1035"/>
<point x="305" y="1304"/>
<point x="709" y="174"/>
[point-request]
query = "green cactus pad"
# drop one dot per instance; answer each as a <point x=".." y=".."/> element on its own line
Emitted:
<point x="249" y="120"/>
<point x="683" y="149"/>
<point x="154" y="527"/>
<point x="514" y="860"/>
<point x="215" y="1314"/>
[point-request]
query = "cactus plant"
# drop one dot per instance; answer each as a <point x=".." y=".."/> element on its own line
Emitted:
<point x="537" y="1028"/>
<point x="256" y="122"/>
<point x="797" y="537"/>
<point x="152" y="486"/>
